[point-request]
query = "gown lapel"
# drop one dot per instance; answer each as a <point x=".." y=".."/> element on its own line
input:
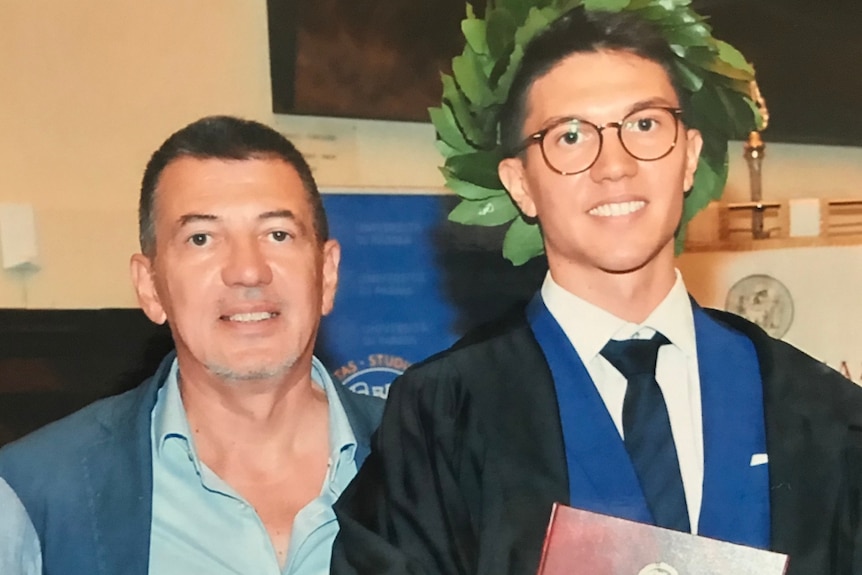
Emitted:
<point x="601" y="476"/>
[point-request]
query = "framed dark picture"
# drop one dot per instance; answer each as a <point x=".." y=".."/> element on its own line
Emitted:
<point x="807" y="56"/>
<point x="374" y="59"/>
<point x="381" y="59"/>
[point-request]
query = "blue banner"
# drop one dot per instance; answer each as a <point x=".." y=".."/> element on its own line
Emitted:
<point x="410" y="284"/>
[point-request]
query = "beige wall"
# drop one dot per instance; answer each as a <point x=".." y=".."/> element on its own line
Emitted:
<point x="91" y="87"/>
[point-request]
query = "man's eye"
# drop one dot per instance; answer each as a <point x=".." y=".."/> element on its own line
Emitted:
<point x="199" y="239"/>
<point x="570" y="133"/>
<point x="571" y="137"/>
<point x="280" y="236"/>
<point x="642" y="125"/>
<point x="646" y="124"/>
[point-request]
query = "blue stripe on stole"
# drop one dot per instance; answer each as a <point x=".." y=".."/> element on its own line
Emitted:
<point x="735" y="503"/>
<point x="601" y="476"/>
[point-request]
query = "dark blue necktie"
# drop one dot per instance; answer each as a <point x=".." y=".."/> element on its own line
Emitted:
<point x="646" y="430"/>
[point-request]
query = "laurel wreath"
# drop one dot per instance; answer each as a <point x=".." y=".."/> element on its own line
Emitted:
<point x="715" y="76"/>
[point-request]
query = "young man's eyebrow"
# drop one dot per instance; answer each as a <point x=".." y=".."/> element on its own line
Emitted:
<point x="657" y="102"/>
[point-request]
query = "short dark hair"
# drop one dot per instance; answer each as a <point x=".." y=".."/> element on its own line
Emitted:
<point x="225" y="138"/>
<point x="578" y="31"/>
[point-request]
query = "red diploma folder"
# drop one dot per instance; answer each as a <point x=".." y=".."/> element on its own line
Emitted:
<point x="581" y="542"/>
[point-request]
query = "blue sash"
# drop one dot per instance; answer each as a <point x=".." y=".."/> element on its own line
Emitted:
<point x="735" y="503"/>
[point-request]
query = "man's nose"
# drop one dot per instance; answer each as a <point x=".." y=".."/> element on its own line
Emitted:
<point x="246" y="264"/>
<point x="614" y="161"/>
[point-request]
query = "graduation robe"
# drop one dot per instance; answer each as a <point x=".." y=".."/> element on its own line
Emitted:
<point x="469" y="459"/>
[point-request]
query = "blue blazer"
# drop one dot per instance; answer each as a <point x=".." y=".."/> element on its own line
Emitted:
<point x="87" y="480"/>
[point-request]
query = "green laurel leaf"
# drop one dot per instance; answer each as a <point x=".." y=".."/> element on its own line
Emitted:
<point x="688" y="35"/>
<point x="505" y="82"/>
<point x="709" y="181"/>
<point x="639" y="4"/>
<point x="709" y="113"/>
<point x="654" y="11"/>
<point x="472" y="77"/>
<point x="537" y="20"/>
<point x="500" y="33"/>
<point x="738" y="113"/>
<point x="688" y="77"/>
<point x="606" y="5"/>
<point x="476" y="33"/>
<point x="465" y="120"/>
<point x="722" y="68"/>
<point x="447" y="128"/>
<point x="734" y="57"/>
<point x="488" y="212"/>
<point x="468" y="191"/>
<point x="479" y="168"/>
<point x="741" y="87"/>
<point x="522" y="242"/>
<point x="517" y="8"/>
<point x="445" y="149"/>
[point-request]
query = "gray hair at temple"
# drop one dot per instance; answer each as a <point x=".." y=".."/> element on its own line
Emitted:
<point x="224" y="138"/>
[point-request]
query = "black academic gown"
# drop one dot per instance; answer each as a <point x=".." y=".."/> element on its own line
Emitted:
<point x="469" y="459"/>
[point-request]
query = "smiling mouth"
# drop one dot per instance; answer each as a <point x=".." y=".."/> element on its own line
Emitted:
<point x="618" y="209"/>
<point x="250" y="317"/>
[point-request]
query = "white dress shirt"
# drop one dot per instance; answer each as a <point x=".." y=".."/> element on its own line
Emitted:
<point x="589" y="328"/>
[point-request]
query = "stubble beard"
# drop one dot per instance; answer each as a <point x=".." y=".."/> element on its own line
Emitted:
<point x="257" y="373"/>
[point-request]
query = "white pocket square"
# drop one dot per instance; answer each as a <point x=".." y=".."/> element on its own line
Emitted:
<point x="758" y="459"/>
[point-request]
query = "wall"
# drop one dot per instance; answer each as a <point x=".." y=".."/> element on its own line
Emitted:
<point x="806" y="296"/>
<point x="92" y="87"/>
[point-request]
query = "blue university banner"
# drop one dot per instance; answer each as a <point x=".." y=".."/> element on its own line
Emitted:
<point x="410" y="284"/>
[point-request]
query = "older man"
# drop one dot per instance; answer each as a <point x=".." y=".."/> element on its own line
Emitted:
<point x="229" y="458"/>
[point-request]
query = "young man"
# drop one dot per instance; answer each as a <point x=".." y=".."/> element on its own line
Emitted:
<point x="613" y="391"/>
<point x="229" y="458"/>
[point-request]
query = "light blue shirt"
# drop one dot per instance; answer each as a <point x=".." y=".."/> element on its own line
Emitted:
<point x="202" y="525"/>
<point x="20" y="553"/>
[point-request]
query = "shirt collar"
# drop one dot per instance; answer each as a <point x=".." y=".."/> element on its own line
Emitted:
<point x="674" y="318"/>
<point x="342" y="440"/>
<point x="169" y="418"/>
<point x="589" y="327"/>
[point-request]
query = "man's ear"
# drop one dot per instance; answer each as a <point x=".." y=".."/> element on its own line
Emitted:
<point x="331" y="259"/>
<point x="511" y="172"/>
<point x="143" y="280"/>
<point x="694" y="143"/>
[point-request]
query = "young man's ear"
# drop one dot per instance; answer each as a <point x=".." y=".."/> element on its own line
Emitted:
<point x="143" y="280"/>
<point x="511" y="172"/>
<point x="694" y="143"/>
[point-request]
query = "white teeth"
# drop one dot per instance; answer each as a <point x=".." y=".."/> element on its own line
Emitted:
<point x="252" y="316"/>
<point x="619" y="209"/>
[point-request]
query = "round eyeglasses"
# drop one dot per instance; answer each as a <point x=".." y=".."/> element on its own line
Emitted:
<point x="572" y="145"/>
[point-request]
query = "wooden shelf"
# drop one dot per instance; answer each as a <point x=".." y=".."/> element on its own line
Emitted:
<point x="745" y="226"/>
